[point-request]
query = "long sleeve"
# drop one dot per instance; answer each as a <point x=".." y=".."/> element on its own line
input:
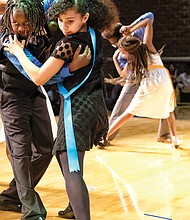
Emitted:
<point x="140" y="32"/>
<point x="143" y="17"/>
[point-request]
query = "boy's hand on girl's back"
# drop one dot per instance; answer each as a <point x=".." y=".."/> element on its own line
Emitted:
<point x="14" y="46"/>
<point x="80" y="60"/>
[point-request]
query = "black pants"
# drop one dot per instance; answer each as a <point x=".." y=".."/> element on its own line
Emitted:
<point x="26" y="122"/>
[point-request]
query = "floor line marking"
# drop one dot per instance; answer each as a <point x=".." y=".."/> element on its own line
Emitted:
<point x="157" y="216"/>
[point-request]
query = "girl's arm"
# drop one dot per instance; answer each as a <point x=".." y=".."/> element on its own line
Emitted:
<point x="79" y="61"/>
<point x="116" y="63"/>
<point x="148" y="34"/>
<point x="122" y="70"/>
<point x="38" y="75"/>
<point x="125" y="29"/>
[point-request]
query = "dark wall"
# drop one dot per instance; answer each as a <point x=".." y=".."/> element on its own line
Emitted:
<point x="171" y="25"/>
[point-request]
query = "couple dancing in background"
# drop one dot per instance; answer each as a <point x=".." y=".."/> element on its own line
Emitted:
<point x="131" y="83"/>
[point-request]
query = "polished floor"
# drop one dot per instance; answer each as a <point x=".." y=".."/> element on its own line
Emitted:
<point x="136" y="178"/>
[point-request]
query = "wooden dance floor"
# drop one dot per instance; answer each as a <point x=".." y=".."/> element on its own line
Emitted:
<point x="136" y="178"/>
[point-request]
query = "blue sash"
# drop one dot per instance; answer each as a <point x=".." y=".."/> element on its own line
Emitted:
<point x="69" y="131"/>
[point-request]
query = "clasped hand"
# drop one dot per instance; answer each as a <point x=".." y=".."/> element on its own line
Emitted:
<point x="14" y="45"/>
<point x="125" y="30"/>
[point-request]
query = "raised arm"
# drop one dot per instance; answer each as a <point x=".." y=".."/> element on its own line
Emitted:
<point x="148" y="34"/>
<point x="140" y="31"/>
<point x="149" y="15"/>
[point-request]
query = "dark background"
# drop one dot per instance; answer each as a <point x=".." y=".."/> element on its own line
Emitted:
<point x="171" y="27"/>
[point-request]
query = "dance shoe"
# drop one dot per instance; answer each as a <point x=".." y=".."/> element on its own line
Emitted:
<point x="176" y="142"/>
<point x="6" y="206"/>
<point x="165" y="139"/>
<point x="67" y="213"/>
<point x="103" y="143"/>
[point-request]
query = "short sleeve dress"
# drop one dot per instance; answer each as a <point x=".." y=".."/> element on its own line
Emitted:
<point x="89" y="113"/>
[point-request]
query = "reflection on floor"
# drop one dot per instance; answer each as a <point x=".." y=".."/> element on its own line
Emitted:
<point x="135" y="178"/>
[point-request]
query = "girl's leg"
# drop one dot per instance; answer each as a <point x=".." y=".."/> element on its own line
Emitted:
<point x="76" y="187"/>
<point x="164" y="132"/>
<point x="126" y="95"/>
<point x="121" y="120"/>
<point x="171" y="123"/>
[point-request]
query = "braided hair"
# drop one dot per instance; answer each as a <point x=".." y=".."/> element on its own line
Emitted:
<point x="102" y="13"/>
<point x="33" y="10"/>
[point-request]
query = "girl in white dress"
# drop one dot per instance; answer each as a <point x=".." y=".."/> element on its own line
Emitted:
<point x="155" y="97"/>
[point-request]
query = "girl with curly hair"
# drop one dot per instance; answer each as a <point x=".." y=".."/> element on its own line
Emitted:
<point x="83" y="115"/>
<point x="24" y="110"/>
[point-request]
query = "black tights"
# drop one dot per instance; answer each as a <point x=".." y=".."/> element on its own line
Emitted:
<point x="76" y="187"/>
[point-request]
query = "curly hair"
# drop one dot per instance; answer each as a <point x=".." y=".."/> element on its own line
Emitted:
<point x="103" y="13"/>
<point x="33" y="10"/>
<point x="138" y="56"/>
<point x="114" y="33"/>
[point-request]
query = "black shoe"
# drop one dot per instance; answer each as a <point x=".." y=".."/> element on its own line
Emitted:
<point x="67" y="213"/>
<point x="9" y="200"/>
<point x="103" y="143"/>
<point x="10" y="207"/>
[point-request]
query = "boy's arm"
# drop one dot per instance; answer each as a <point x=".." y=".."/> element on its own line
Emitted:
<point x="149" y="15"/>
<point x="140" y="31"/>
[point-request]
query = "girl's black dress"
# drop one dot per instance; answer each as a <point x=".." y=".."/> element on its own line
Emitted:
<point x="89" y="113"/>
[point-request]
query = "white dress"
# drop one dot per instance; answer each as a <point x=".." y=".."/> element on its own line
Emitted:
<point x="155" y="97"/>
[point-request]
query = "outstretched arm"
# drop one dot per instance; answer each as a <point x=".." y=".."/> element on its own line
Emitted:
<point x="79" y="61"/>
<point x="41" y="75"/>
<point x="38" y="75"/>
